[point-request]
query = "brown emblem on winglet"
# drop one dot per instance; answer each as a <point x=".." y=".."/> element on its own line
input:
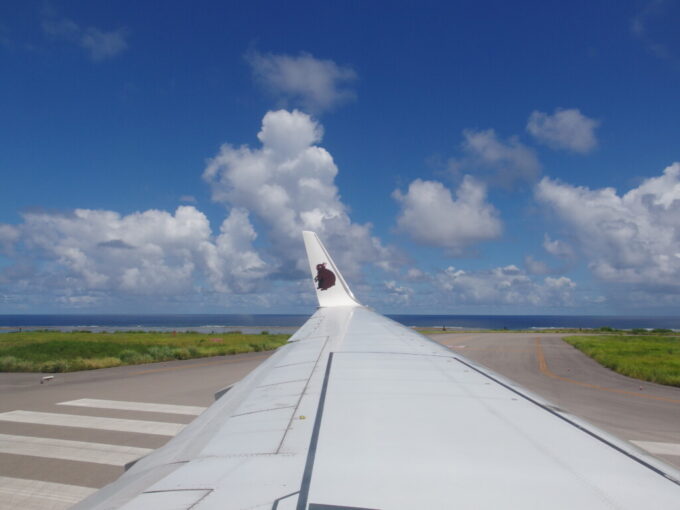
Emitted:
<point x="324" y="277"/>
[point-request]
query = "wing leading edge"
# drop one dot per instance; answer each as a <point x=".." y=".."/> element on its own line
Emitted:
<point x="359" y="412"/>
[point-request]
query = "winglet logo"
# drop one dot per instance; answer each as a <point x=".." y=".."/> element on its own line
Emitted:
<point x="325" y="278"/>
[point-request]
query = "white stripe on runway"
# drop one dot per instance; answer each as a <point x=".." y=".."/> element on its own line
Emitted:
<point x="98" y="453"/>
<point x="34" y="495"/>
<point x="134" y="406"/>
<point x="659" y="448"/>
<point x="93" y="422"/>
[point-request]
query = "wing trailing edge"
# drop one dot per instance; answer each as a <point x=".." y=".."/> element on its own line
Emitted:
<point x="331" y="287"/>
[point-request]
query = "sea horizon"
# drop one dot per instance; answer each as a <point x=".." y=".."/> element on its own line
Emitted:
<point x="288" y="322"/>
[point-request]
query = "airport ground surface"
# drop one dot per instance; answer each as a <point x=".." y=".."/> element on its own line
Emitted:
<point x="61" y="440"/>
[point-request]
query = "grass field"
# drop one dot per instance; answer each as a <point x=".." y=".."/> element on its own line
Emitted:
<point x="55" y="351"/>
<point x="652" y="358"/>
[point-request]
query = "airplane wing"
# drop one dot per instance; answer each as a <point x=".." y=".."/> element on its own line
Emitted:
<point x="357" y="412"/>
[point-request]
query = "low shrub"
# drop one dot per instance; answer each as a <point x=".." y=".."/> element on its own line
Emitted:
<point x="181" y="353"/>
<point x="12" y="364"/>
<point x="58" y="351"/>
<point x="55" y="366"/>
<point x="160" y="352"/>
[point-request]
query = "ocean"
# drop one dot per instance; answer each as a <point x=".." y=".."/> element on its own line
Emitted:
<point x="288" y="323"/>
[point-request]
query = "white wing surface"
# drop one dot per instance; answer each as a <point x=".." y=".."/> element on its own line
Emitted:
<point x="357" y="412"/>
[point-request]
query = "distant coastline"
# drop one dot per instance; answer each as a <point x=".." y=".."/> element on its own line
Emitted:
<point x="286" y="323"/>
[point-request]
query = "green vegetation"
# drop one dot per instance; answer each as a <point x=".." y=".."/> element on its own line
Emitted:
<point x="57" y="351"/>
<point x="650" y="357"/>
<point x="430" y="331"/>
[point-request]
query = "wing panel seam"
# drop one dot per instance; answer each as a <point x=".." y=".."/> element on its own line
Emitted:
<point x="311" y="453"/>
<point x="302" y="394"/>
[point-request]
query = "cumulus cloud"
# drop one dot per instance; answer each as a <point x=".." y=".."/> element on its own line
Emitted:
<point x="397" y="294"/>
<point x="99" y="44"/>
<point x="315" y="84"/>
<point x="288" y="184"/>
<point x="560" y="283"/>
<point x="151" y="252"/>
<point x="632" y="238"/>
<point x="90" y="258"/>
<point x="564" y="129"/>
<point x="558" y="248"/>
<point x="502" y="162"/>
<point x="231" y="261"/>
<point x="504" y="286"/>
<point x="414" y="274"/>
<point x="430" y="215"/>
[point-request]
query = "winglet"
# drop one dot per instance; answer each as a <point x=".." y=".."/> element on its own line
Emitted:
<point x="331" y="288"/>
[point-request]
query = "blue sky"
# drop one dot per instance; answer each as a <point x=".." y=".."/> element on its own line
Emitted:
<point x="456" y="157"/>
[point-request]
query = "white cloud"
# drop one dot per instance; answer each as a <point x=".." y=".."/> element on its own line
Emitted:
<point x="151" y="252"/>
<point x="559" y="283"/>
<point x="498" y="161"/>
<point x="414" y="274"/>
<point x="503" y="286"/>
<point x="397" y="294"/>
<point x="102" y="45"/>
<point x="99" y="44"/>
<point x="232" y="262"/>
<point x="86" y="258"/>
<point x="84" y="301"/>
<point x="431" y="216"/>
<point x="289" y="185"/>
<point x="558" y="248"/>
<point x="564" y="129"/>
<point x="317" y="85"/>
<point x="629" y="239"/>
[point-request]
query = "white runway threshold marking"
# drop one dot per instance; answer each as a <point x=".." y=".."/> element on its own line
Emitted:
<point x="134" y="406"/>
<point x="98" y="453"/>
<point x="93" y="422"/>
<point x="658" y="448"/>
<point x="33" y="495"/>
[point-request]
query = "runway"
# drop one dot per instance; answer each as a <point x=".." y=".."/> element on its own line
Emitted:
<point x="62" y="439"/>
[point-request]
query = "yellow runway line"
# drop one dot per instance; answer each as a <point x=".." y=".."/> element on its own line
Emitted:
<point x="543" y="367"/>
<point x="499" y="348"/>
